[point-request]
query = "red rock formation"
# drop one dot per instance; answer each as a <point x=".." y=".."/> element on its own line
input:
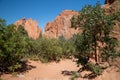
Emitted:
<point x="30" y="26"/>
<point x="109" y="1"/>
<point x="112" y="6"/>
<point x="61" y="26"/>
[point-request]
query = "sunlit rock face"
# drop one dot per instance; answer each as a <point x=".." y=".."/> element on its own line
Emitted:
<point x="30" y="26"/>
<point x="61" y="26"/>
<point x="112" y="6"/>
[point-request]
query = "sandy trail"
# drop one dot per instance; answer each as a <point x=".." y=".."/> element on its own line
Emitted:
<point x="53" y="71"/>
<point x="47" y="71"/>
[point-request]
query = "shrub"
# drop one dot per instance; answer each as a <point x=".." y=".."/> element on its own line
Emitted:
<point x="68" y="47"/>
<point x="96" y="69"/>
<point x="49" y="50"/>
<point x="13" y="43"/>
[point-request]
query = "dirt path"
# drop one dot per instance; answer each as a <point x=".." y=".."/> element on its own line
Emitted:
<point x="49" y="71"/>
<point x="53" y="71"/>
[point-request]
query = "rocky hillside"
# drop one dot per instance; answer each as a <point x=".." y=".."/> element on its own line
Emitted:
<point x="61" y="26"/>
<point x="112" y="5"/>
<point x="30" y="26"/>
<point x="109" y="1"/>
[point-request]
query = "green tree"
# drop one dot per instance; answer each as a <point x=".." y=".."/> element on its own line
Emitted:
<point x="67" y="45"/>
<point x="95" y="38"/>
<point x="12" y="46"/>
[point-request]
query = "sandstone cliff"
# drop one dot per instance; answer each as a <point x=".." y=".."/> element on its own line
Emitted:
<point x="109" y="1"/>
<point x="31" y="27"/>
<point x="61" y="26"/>
<point x="112" y="5"/>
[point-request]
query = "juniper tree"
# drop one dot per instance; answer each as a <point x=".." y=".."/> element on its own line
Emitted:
<point x="95" y="37"/>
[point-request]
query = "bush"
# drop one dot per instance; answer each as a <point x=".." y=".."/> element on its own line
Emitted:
<point x="96" y="69"/>
<point x="49" y="50"/>
<point x="68" y="47"/>
<point x="13" y="43"/>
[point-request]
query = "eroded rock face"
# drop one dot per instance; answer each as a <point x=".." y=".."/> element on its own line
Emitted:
<point x="112" y="6"/>
<point x="61" y="26"/>
<point x="30" y="26"/>
<point x="109" y="1"/>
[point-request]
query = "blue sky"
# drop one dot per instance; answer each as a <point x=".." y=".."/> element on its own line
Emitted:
<point x="41" y="10"/>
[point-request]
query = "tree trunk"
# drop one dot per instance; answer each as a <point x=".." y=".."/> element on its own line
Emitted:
<point x="95" y="50"/>
<point x="96" y="57"/>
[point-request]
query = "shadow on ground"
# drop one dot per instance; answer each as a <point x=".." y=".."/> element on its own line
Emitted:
<point x="67" y="73"/>
<point x="25" y="68"/>
<point x="78" y="74"/>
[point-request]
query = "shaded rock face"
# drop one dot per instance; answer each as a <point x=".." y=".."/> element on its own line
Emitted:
<point x="109" y="1"/>
<point x="31" y="27"/>
<point x="61" y="26"/>
<point x="112" y="6"/>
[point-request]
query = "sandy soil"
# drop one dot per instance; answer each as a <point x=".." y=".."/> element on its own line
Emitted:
<point x="53" y="71"/>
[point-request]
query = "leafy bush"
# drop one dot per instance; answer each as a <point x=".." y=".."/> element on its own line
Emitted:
<point x="13" y="44"/>
<point x="68" y="47"/>
<point x="49" y="50"/>
<point x="96" y="69"/>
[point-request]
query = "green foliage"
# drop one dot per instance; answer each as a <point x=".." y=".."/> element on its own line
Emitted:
<point x="96" y="69"/>
<point x="33" y="47"/>
<point x="49" y="50"/>
<point x="82" y="44"/>
<point x="75" y="75"/>
<point x="2" y="22"/>
<point x="68" y="47"/>
<point x="12" y="48"/>
<point x="97" y="27"/>
<point x="109" y="51"/>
